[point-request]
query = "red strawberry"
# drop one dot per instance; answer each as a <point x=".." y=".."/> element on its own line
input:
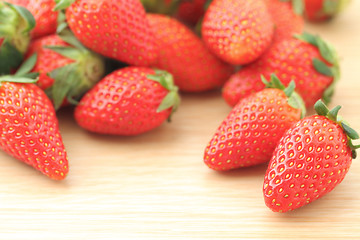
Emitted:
<point x="311" y="159"/>
<point x="249" y="134"/>
<point x="15" y="26"/>
<point x="114" y="28"/>
<point x="66" y="71"/>
<point x="243" y="83"/>
<point x="237" y="31"/>
<point x="321" y="10"/>
<point x="184" y="55"/>
<point x="306" y="59"/>
<point x="287" y="21"/>
<point x="45" y="16"/>
<point x="29" y="127"/>
<point x="129" y="101"/>
<point x="191" y="11"/>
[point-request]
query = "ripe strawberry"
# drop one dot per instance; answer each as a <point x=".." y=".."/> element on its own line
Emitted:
<point x="199" y="69"/>
<point x="15" y="25"/>
<point x="66" y="71"/>
<point x="191" y="11"/>
<point x="237" y="31"/>
<point x="129" y="101"/>
<point x="322" y="10"/>
<point x="114" y="28"/>
<point x="305" y="59"/>
<point x="311" y="158"/>
<point x="287" y="21"/>
<point x="29" y="127"/>
<point x="249" y="134"/>
<point x="45" y="16"/>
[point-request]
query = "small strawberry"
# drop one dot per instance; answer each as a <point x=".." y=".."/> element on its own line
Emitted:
<point x="184" y="55"/>
<point x="45" y="16"/>
<point x="15" y="25"/>
<point x="251" y="131"/>
<point x="287" y="21"/>
<point x="114" y="28"/>
<point x="129" y="101"/>
<point x="305" y="59"/>
<point x="311" y="159"/>
<point x="237" y="31"/>
<point x="29" y="127"/>
<point x="67" y="69"/>
<point x="322" y="10"/>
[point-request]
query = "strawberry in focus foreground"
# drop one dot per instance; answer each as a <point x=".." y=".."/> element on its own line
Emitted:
<point x="28" y="123"/>
<point x="250" y="133"/>
<point x="311" y="159"/>
<point x="129" y="101"/>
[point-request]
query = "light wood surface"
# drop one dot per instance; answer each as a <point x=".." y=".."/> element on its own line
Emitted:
<point x="155" y="186"/>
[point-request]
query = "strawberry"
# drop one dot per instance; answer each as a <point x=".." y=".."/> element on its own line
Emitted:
<point x="322" y="10"/>
<point x="249" y="134"/>
<point x="286" y="19"/>
<point x="311" y="159"/>
<point x="129" y="101"/>
<point x="114" y="28"/>
<point x="237" y="31"/>
<point x="15" y="25"/>
<point x="191" y="11"/>
<point x="199" y="70"/>
<point x="67" y="69"/>
<point x="29" y="127"/>
<point x="305" y="59"/>
<point x="45" y="16"/>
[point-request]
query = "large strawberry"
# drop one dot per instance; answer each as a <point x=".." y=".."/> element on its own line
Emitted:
<point x="114" y="28"/>
<point x="305" y="59"/>
<point x="129" y="101"/>
<point x="29" y="127"/>
<point x="321" y="10"/>
<point x="183" y="54"/>
<point x="237" y="31"/>
<point x="15" y="25"/>
<point x="66" y="71"/>
<point x="311" y="159"/>
<point x="44" y="14"/>
<point x="250" y="133"/>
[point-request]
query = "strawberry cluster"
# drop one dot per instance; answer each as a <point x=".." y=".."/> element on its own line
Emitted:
<point x="124" y="62"/>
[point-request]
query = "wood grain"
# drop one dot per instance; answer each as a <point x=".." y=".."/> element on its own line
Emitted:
<point x="155" y="186"/>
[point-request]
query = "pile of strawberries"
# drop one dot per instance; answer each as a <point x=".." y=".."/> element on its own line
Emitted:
<point x="124" y="62"/>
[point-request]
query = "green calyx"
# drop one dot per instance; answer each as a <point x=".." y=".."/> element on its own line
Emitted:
<point x="328" y="53"/>
<point x="294" y="99"/>
<point x="63" y="4"/>
<point x="172" y="99"/>
<point x="23" y="74"/>
<point x="323" y="110"/>
<point x="16" y="24"/>
<point x="333" y="7"/>
<point x="74" y="79"/>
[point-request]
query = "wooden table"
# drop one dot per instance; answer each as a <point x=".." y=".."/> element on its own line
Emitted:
<point x="155" y="186"/>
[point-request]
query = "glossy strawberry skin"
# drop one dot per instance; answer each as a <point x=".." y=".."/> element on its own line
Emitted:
<point x="115" y="29"/>
<point x="124" y="103"/>
<point x="250" y="133"/>
<point x="47" y="60"/>
<point x="309" y="161"/>
<point x="287" y="22"/>
<point x="29" y="129"/>
<point x="42" y="10"/>
<point x="237" y="31"/>
<point x="199" y="70"/>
